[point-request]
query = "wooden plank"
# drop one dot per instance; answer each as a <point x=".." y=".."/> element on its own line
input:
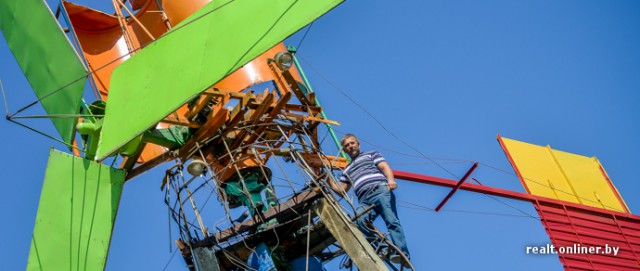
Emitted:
<point x="180" y="122"/>
<point x="203" y="100"/>
<point x="233" y="94"/>
<point x="332" y="122"/>
<point x="252" y="120"/>
<point x="166" y="156"/>
<point x="300" y="108"/>
<point x="278" y="107"/>
<point x="283" y="209"/>
<point x="349" y="237"/>
<point x="293" y="84"/>
<point x="208" y="129"/>
<point x="240" y="107"/>
<point x="335" y="162"/>
<point x="281" y="86"/>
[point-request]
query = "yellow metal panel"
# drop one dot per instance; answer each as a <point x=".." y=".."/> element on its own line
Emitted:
<point x="561" y="175"/>
<point x="589" y="181"/>
<point x="613" y="187"/>
<point x="538" y="171"/>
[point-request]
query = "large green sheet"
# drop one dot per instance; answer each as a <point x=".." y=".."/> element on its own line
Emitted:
<point x="76" y="213"/>
<point x="207" y="46"/>
<point x="46" y="57"/>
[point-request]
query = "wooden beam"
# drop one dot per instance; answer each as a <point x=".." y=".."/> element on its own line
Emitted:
<point x="286" y="208"/>
<point x="233" y="94"/>
<point x="300" y="108"/>
<point x="278" y="107"/>
<point x="207" y="129"/>
<point x="349" y="237"/>
<point x="238" y="111"/>
<point x="166" y="156"/>
<point x="281" y="86"/>
<point x="205" y="132"/>
<point x="180" y="122"/>
<point x="293" y="84"/>
<point x="253" y="119"/>
<point x="203" y="100"/>
<point x="312" y="119"/>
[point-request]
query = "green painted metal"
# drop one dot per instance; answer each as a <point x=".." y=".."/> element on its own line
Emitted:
<point x="293" y="52"/>
<point x="197" y="53"/>
<point x="47" y="59"/>
<point x="75" y="217"/>
<point x="172" y="137"/>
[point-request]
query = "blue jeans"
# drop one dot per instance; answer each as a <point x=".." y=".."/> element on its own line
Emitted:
<point x="384" y="202"/>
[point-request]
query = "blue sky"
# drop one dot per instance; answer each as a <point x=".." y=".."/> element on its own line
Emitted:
<point x="445" y="77"/>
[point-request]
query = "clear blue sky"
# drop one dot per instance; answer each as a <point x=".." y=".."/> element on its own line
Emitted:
<point x="445" y="77"/>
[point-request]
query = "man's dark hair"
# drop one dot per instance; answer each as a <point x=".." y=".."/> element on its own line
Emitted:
<point x="345" y="136"/>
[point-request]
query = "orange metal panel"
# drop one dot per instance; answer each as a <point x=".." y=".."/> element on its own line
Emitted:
<point x="103" y="42"/>
<point x="255" y="72"/>
<point x="178" y="10"/>
<point x="105" y="45"/>
<point x="152" y="18"/>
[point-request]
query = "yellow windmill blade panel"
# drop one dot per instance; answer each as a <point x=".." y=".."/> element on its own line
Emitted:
<point x="589" y="181"/>
<point x="538" y="171"/>
<point x="560" y="175"/>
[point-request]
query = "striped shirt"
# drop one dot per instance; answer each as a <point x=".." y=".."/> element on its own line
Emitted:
<point x="363" y="173"/>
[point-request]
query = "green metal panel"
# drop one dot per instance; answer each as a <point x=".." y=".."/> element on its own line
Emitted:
<point x="75" y="218"/>
<point x="46" y="57"/>
<point x="212" y="43"/>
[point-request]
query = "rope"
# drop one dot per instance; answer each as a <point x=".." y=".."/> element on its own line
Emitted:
<point x="170" y="259"/>
<point x="46" y="135"/>
<point x="304" y="36"/>
<point x="363" y="139"/>
<point x="374" y="118"/>
<point x="4" y="97"/>
<point x="424" y="208"/>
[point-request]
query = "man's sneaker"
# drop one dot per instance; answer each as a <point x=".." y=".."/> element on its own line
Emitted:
<point x="383" y="254"/>
<point x="395" y="258"/>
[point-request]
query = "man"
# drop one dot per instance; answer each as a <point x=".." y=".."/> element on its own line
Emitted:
<point x="373" y="183"/>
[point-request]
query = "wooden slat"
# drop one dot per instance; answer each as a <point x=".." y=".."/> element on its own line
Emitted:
<point x="349" y="237"/>
<point x="283" y="209"/>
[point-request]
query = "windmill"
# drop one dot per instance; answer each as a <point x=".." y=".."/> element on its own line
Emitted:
<point x="203" y="102"/>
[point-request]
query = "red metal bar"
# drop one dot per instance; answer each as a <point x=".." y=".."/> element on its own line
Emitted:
<point x="426" y="179"/>
<point x="455" y="188"/>
<point x="513" y="164"/>
<point x="613" y="188"/>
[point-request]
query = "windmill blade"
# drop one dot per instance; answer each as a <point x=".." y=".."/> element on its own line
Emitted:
<point x="75" y="218"/>
<point x="47" y="59"/>
<point x="197" y="53"/>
